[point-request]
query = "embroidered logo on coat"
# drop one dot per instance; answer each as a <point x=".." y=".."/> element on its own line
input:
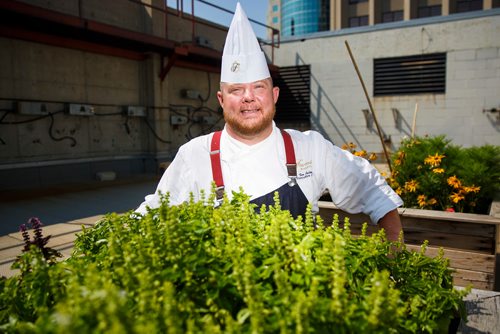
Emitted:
<point x="304" y="169"/>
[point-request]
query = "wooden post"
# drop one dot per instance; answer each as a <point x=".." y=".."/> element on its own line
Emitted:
<point x="497" y="259"/>
<point x="370" y="105"/>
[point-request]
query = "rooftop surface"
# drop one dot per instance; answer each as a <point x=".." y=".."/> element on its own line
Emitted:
<point x="63" y="212"/>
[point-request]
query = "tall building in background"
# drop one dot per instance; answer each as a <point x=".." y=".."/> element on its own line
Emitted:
<point x="300" y="17"/>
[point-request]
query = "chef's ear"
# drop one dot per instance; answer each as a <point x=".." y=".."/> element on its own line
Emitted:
<point x="220" y="98"/>
<point x="276" y="93"/>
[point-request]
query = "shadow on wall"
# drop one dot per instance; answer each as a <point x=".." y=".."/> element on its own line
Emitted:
<point x="322" y="113"/>
<point x="326" y="113"/>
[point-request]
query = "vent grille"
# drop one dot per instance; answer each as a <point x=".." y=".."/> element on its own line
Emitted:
<point x="295" y="94"/>
<point x="410" y="75"/>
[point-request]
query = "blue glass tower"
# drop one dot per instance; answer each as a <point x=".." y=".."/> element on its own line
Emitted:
<point x="299" y="17"/>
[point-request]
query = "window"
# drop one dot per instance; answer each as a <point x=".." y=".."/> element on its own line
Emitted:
<point x="427" y="11"/>
<point x="392" y="16"/>
<point x="275" y="8"/>
<point x="469" y="5"/>
<point x="275" y="19"/>
<point x="418" y="74"/>
<point x="358" y="21"/>
<point x="353" y="2"/>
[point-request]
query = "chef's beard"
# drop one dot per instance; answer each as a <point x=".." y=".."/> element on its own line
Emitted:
<point x="252" y="127"/>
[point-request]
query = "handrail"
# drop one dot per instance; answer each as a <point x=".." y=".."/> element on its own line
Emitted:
<point x="179" y="12"/>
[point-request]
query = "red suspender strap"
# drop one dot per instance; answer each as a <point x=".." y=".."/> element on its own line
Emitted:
<point x="216" y="167"/>
<point x="291" y="164"/>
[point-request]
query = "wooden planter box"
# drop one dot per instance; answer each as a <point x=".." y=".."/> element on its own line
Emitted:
<point x="470" y="241"/>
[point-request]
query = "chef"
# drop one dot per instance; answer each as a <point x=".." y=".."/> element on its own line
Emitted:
<point x="252" y="154"/>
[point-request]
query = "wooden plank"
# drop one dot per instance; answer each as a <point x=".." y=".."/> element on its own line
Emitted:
<point x="472" y="218"/>
<point x="478" y="280"/>
<point x="461" y="234"/>
<point x="431" y="214"/>
<point x="461" y="259"/>
<point x="451" y="227"/>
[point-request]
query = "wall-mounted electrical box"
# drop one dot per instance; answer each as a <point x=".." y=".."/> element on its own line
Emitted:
<point x="32" y="108"/>
<point x="135" y="111"/>
<point x="209" y="120"/>
<point x="178" y="120"/>
<point x="190" y="94"/>
<point x="80" y="109"/>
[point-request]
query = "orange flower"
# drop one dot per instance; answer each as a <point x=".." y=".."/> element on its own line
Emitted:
<point x="345" y="147"/>
<point x="411" y="186"/>
<point x="361" y="153"/>
<point x="399" y="191"/>
<point x="454" y="182"/>
<point x="434" y="160"/>
<point x="472" y="189"/>
<point x="432" y="201"/>
<point x="372" y="157"/>
<point x="456" y="197"/>
<point x="421" y="200"/>
<point x="438" y="170"/>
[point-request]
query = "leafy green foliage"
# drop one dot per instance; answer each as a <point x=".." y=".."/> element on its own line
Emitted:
<point x="431" y="173"/>
<point x="193" y="268"/>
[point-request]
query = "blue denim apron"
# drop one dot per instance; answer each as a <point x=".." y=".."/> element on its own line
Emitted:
<point x="290" y="195"/>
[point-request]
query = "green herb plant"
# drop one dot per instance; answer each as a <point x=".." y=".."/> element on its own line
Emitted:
<point x="193" y="268"/>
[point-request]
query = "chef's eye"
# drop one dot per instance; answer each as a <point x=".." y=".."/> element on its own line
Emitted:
<point x="235" y="90"/>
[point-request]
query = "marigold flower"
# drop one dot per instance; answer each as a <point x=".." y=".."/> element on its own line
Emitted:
<point x="454" y="182"/>
<point x="361" y="153"/>
<point x="432" y="201"/>
<point x="397" y="162"/>
<point x="472" y="189"/>
<point x="421" y="199"/>
<point x="456" y="197"/>
<point x="372" y="157"/>
<point x="352" y="145"/>
<point x="399" y="191"/>
<point x="345" y="147"/>
<point x="434" y="160"/>
<point x="411" y="186"/>
<point x="438" y="170"/>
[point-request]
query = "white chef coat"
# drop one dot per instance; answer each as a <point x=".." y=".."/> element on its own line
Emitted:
<point x="354" y="184"/>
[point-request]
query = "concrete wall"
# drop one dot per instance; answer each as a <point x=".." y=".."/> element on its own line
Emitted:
<point x="472" y="79"/>
<point x="59" y="148"/>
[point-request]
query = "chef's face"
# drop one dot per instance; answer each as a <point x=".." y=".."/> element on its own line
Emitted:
<point x="249" y="108"/>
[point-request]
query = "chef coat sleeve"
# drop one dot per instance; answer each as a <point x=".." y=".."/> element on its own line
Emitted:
<point x="356" y="186"/>
<point x="175" y="181"/>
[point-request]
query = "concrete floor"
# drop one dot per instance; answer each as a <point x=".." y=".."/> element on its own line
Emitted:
<point x="63" y="211"/>
<point x="63" y="205"/>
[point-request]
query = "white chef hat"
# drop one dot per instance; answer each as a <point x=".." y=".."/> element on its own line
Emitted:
<point x="242" y="59"/>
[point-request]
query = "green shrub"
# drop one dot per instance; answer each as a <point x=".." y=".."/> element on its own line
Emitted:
<point x="195" y="269"/>
<point x="431" y="173"/>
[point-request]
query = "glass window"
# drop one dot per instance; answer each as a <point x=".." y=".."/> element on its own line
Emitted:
<point x="358" y="21"/>
<point x="275" y="19"/>
<point x="275" y="8"/>
<point x="427" y="11"/>
<point x="392" y="16"/>
<point x="469" y="5"/>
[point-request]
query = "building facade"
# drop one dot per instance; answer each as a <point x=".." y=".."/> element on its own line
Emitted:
<point x="430" y="76"/>
<point x="321" y="15"/>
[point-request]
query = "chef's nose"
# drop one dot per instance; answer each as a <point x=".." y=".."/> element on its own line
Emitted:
<point x="248" y="94"/>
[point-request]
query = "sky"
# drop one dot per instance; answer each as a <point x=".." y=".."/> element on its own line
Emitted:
<point x="255" y="10"/>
